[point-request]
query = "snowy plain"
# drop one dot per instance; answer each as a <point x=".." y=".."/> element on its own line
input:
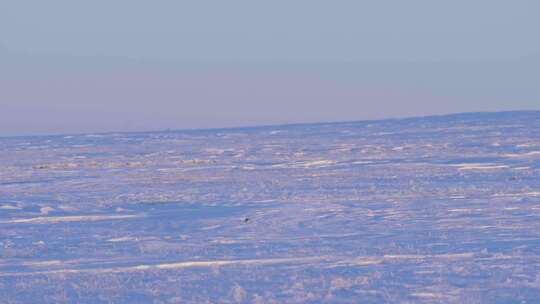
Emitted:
<point x="441" y="209"/>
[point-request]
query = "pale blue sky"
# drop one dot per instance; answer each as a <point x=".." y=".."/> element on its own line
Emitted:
<point x="94" y="66"/>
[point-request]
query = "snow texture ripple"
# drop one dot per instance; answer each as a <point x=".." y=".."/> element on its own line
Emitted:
<point x="439" y="209"/>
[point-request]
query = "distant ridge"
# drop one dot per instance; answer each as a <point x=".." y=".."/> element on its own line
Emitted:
<point x="433" y="118"/>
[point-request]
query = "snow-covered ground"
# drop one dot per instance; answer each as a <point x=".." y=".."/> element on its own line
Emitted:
<point x="424" y="210"/>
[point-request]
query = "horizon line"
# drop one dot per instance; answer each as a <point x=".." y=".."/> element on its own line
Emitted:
<point x="273" y="125"/>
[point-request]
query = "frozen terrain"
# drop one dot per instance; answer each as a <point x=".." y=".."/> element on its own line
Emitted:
<point x="424" y="210"/>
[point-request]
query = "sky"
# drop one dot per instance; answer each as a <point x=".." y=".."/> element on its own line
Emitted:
<point x="127" y="65"/>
